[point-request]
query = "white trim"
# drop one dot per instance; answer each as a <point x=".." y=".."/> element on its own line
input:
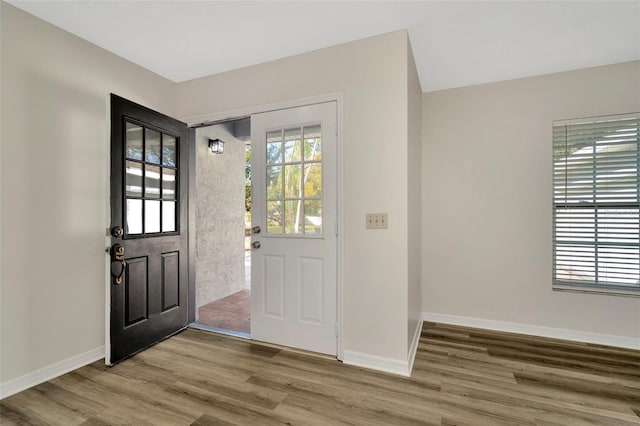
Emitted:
<point x="43" y="374"/>
<point x="635" y="292"/>
<point x="414" y="345"/>
<point x="340" y="220"/>
<point x="107" y="239"/>
<point x="107" y="307"/>
<point x="388" y="365"/>
<point x="535" y="330"/>
<point x="205" y="119"/>
<point x="596" y="119"/>
<point x="373" y="362"/>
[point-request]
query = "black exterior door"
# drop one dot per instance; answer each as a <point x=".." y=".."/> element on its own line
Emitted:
<point x="149" y="274"/>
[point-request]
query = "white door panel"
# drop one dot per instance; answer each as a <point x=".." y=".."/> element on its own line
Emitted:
<point x="293" y="287"/>
<point x="273" y="283"/>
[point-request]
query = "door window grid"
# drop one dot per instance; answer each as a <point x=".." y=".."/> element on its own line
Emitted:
<point x="151" y="181"/>
<point x="294" y="181"/>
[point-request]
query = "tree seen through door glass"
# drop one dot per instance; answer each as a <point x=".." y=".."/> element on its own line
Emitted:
<point x="274" y="217"/>
<point x="312" y="143"/>
<point x="292" y="181"/>
<point x="274" y="182"/>
<point x="274" y="147"/>
<point x="312" y="180"/>
<point x="312" y="217"/>
<point x="292" y="211"/>
<point x="292" y="145"/>
<point x="294" y="190"/>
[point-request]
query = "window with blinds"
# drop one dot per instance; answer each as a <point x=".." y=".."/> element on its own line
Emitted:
<point x="596" y="204"/>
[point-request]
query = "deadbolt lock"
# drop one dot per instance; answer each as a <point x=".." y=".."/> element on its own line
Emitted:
<point x="117" y="252"/>
<point x="255" y="229"/>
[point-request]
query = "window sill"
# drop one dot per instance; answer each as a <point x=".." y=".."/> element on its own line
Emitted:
<point x="597" y="290"/>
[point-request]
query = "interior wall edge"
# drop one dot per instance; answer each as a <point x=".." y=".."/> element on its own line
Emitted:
<point x="413" y="349"/>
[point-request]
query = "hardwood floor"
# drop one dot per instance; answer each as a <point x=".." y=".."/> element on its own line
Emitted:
<point x="461" y="376"/>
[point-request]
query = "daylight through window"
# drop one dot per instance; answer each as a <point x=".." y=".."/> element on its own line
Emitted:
<point x="596" y="204"/>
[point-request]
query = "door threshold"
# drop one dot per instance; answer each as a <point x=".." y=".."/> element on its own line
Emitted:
<point x="224" y="331"/>
<point x="247" y="336"/>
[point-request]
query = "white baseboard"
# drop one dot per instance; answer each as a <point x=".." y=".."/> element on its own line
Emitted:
<point x="43" y="374"/>
<point x="388" y="365"/>
<point x="373" y="362"/>
<point x="535" y="330"/>
<point x="414" y="345"/>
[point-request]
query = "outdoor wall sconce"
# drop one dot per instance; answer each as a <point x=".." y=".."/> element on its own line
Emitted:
<point x="216" y="146"/>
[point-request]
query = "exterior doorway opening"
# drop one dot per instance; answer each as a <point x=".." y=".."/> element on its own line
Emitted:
<point x="223" y="226"/>
<point x="293" y="297"/>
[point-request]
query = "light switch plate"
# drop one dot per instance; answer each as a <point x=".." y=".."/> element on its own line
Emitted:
<point x="377" y="221"/>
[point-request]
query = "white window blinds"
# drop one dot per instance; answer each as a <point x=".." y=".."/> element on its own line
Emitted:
<point x="595" y="202"/>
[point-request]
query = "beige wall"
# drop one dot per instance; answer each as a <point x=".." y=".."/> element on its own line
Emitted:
<point x="55" y="179"/>
<point x="414" y="191"/>
<point x="486" y="187"/>
<point x="219" y="200"/>
<point x="372" y="76"/>
<point x="54" y="187"/>
<point x="487" y="199"/>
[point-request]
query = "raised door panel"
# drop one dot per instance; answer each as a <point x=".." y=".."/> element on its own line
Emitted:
<point x="170" y="280"/>
<point x="311" y="278"/>
<point x="274" y="286"/>
<point x="136" y="284"/>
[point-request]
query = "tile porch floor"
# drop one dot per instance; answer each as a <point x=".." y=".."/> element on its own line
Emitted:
<point x="232" y="312"/>
<point x="229" y="313"/>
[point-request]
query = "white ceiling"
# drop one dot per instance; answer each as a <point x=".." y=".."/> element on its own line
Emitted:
<point x="455" y="43"/>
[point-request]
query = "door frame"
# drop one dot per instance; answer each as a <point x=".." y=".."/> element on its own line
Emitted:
<point x="203" y="120"/>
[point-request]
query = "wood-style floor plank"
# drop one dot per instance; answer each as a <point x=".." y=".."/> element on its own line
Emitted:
<point x="461" y="376"/>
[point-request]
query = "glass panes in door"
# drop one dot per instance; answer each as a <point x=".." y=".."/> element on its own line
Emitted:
<point x="151" y="171"/>
<point x="294" y="181"/>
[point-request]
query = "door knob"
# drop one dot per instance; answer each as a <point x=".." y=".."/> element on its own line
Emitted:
<point x="255" y="229"/>
<point x="255" y="244"/>
<point x="117" y="231"/>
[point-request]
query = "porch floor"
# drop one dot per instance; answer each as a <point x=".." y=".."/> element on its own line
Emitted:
<point x="230" y="313"/>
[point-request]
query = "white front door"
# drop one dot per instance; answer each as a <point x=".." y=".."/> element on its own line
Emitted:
<point x="294" y="203"/>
